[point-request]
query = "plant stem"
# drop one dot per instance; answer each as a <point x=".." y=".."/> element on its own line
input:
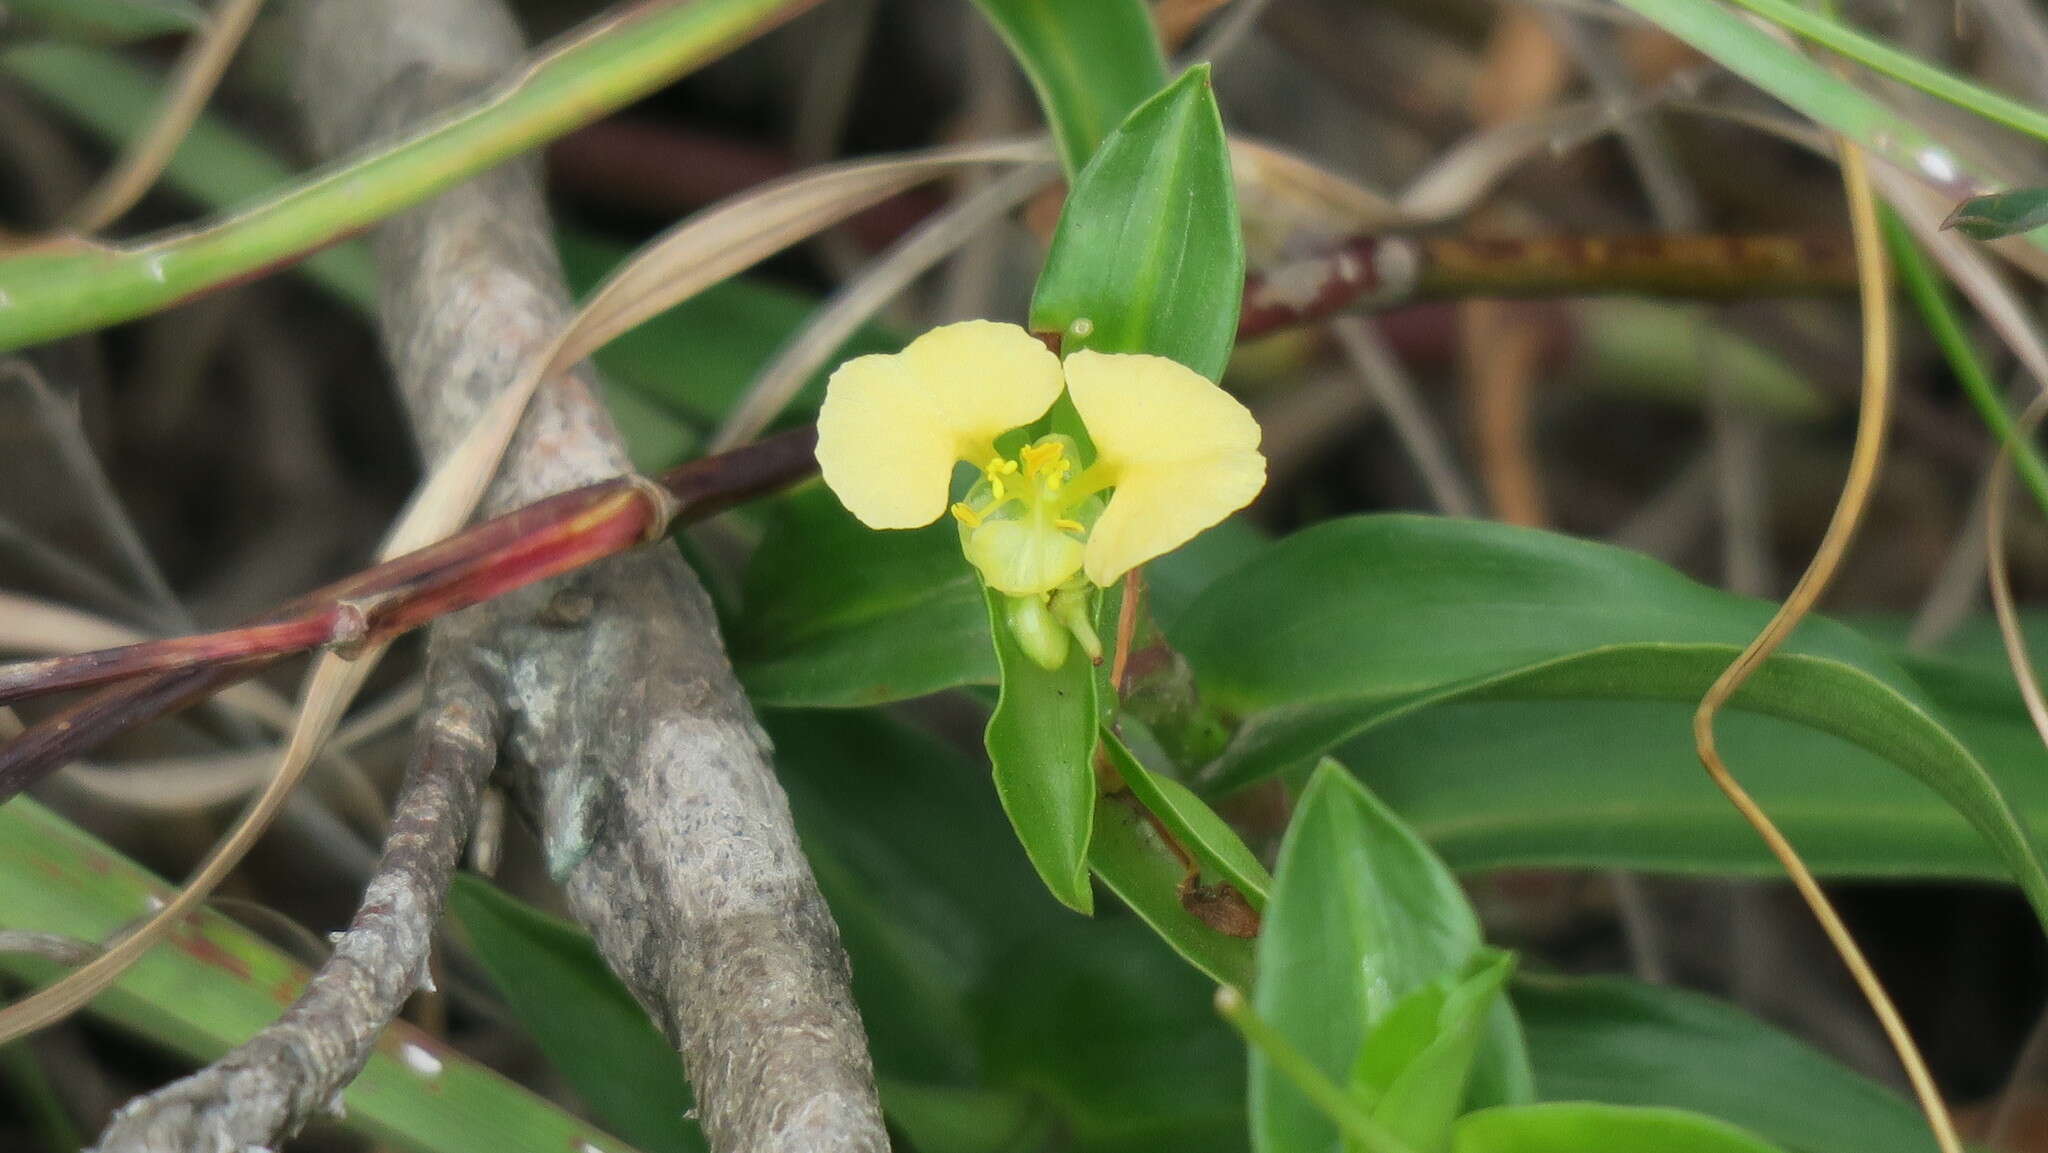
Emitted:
<point x="1902" y="66"/>
<point x="60" y="288"/>
<point x="1348" y="1115"/>
<point x="1925" y="288"/>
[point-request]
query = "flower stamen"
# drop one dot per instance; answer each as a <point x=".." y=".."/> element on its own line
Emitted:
<point x="965" y="514"/>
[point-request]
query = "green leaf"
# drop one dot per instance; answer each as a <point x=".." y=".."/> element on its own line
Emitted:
<point x="1569" y="1127"/>
<point x="1356" y="623"/>
<point x="1617" y="785"/>
<point x="1626" y="1043"/>
<point x="836" y="614"/>
<point x="109" y="21"/>
<point x="1416" y="1063"/>
<point x="993" y="1013"/>
<point x="592" y="1030"/>
<point x="1091" y="62"/>
<point x="1213" y="843"/>
<point x="1041" y="743"/>
<point x="1999" y="214"/>
<point x="213" y="984"/>
<point x="1145" y="873"/>
<point x="1119" y="1036"/>
<point x="1361" y="915"/>
<point x="1148" y="256"/>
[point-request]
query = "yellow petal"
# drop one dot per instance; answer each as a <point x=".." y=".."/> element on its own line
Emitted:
<point x="1182" y="453"/>
<point x="892" y="427"/>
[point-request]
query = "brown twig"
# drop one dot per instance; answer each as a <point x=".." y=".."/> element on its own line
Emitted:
<point x="1387" y="271"/>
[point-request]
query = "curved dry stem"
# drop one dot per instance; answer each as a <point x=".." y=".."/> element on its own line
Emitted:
<point x="198" y="73"/>
<point x="2009" y="630"/>
<point x="1863" y="468"/>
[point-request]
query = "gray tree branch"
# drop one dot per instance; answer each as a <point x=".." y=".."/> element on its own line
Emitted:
<point x="634" y="750"/>
<point x="267" y="1087"/>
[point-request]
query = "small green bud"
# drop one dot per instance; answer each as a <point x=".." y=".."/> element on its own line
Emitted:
<point x="1037" y="633"/>
<point x="1073" y="605"/>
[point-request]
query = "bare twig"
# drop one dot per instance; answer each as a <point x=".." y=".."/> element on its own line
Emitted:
<point x="271" y="1084"/>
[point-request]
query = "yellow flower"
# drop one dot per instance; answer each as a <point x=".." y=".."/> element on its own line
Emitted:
<point x="1176" y="453"/>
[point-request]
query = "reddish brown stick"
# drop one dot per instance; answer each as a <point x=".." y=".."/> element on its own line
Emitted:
<point x="545" y="539"/>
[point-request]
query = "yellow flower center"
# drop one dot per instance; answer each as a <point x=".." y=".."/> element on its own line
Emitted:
<point x="1025" y="522"/>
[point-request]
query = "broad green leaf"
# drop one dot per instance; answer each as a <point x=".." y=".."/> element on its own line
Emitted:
<point x="2000" y="214"/>
<point x="1625" y="1043"/>
<point x="1414" y="1067"/>
<point x="836" y="614"/>
<point x="976" y="987"/>
<point x="1120" y="1036"/>
<point x="1617" y="784"/>
<point x="1361" y="915"/>
<point x="592" y="1030"/>
<point x="213" y="984"/>
<point x="110" y="21"/>
<point x="1131" y="858"/>
<point x="1091" y="62"/>
<point x="1148" y="256"/>
<point x="1570" y="1127"/>
<point x="1214" y="844"/>
<point x="1041" y="744"/>
<point x="1356" y="623"/>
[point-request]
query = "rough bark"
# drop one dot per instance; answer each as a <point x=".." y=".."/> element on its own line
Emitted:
<point x="269" y="1086"/>
<point x="635" y="751"/>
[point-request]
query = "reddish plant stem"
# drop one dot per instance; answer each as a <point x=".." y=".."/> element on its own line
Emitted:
<point x="544" y="539"/>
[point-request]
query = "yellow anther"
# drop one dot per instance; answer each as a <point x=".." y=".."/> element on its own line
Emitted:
<point x="1073" y="526"/>
<point x="995" y="486"/>
<point x="997" y="466"/>
<point x="966" y="515"/>
<point x="1042" y="458"/>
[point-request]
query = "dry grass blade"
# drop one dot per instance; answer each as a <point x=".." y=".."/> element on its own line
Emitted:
<point x="854" y="305"/>
<point x="2001" y="579"/>
<point x="191" y="86"/>
<point x="698" y="253"/>
<point x="1863" y="468"/>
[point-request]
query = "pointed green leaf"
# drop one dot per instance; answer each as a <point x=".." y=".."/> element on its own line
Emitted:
<point x="2000" y="214"/>
<point x="1148" y="256"/>
<point x="1361" y="915"/>
<point x="1214" y="844"/>
<point x="1570" y="1127"/>
<point x="1041" y="745"/>
<point x="1091" y="62"/>
<point x="1146" y="873"/>
<point x="1357" y="623"/>
<point x="1416" y="1063"/>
